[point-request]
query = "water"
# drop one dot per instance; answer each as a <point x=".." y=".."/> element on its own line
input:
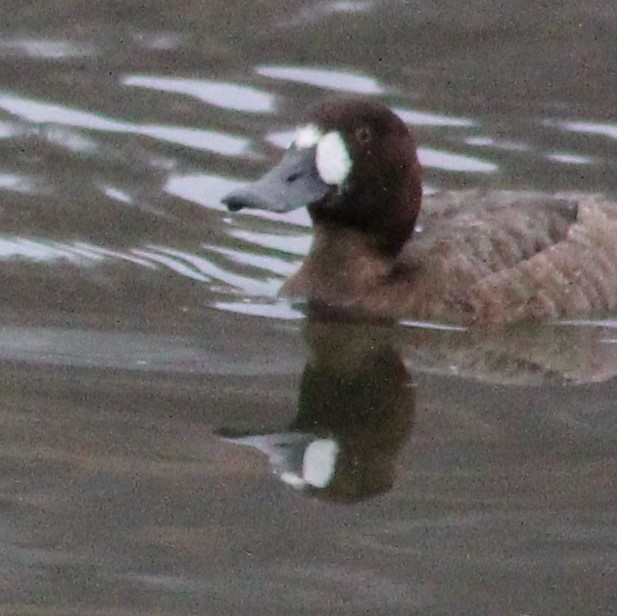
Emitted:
<point x="174" y="440"/>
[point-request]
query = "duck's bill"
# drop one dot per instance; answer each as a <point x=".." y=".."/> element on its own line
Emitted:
<point x="292" y="184"/>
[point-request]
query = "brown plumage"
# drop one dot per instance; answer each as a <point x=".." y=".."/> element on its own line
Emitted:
<point x="476" y="257"/>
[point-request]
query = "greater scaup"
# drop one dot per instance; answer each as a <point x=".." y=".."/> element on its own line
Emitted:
<point x="477" y="257"/>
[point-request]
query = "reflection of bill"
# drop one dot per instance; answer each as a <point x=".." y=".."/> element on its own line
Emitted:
<point x="355" y="411"/>
<point x="300" y="460"/>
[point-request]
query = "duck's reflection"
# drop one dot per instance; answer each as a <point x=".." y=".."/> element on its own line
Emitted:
<point x="355" y="411"/>
<point x="356" y="402"/>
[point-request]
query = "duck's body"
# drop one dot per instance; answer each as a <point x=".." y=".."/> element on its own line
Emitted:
<point x="475" y="257"/>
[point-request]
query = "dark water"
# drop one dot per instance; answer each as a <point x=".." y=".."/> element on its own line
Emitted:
<point x="173" y="440"/>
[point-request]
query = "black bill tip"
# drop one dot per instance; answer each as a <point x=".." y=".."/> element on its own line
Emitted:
<point x="234" y="202"/>
<point x="250" y="196"/>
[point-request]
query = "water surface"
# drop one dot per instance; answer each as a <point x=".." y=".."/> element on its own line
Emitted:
<point x="176" y="441"/>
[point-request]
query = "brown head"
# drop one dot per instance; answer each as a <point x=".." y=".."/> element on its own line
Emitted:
<point x="353" y="164"/>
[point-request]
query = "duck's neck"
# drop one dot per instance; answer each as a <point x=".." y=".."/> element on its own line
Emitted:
<point x="343" y="265"/>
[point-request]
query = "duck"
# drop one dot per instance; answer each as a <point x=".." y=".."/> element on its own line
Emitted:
<point x="382" y="250"/>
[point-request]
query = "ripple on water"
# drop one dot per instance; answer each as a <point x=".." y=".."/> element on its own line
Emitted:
<point x="593" y="128"/>
<point x="501" y="144"/>
<point x="423" y="118"/>
<point x="328" y="79"/>
<point x="324" y="9"/>
<point x="291" y="244"/>
<point x="454" y="162"/>
<point x="117" y="194"/>
<point x="46" y="49"/>
<point x="8" y="130"/>
<point x="38" y="112"/>
<point x="197" y="139"/>
<point x="569" y="159"/>
<point x="17" y="183"/>
<point x="41" y="251"/>
<point x="203" y="269"/>
<point x="227" y="95"/>
<point x="49" y="251"/>
<point x="265" y="272"/>
<point x="278" y="310"/>
<point x="204" y="189"/>
<point x="267" y="263"/>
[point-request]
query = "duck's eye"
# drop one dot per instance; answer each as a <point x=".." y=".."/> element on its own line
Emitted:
<point x="363" y="134"/>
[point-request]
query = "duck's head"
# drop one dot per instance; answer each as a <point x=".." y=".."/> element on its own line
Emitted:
<point x="353" y="164"/>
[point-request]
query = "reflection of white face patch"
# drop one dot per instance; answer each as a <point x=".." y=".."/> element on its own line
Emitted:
<point x="307" y="136"/>
<point x="332" y="159"/>
<point x="319" y="462"/>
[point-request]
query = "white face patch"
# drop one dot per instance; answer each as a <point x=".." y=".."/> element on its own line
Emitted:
<point x="319" y="462"/>
<point x="332" y="159"/>
<point x="307" y="136"/>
